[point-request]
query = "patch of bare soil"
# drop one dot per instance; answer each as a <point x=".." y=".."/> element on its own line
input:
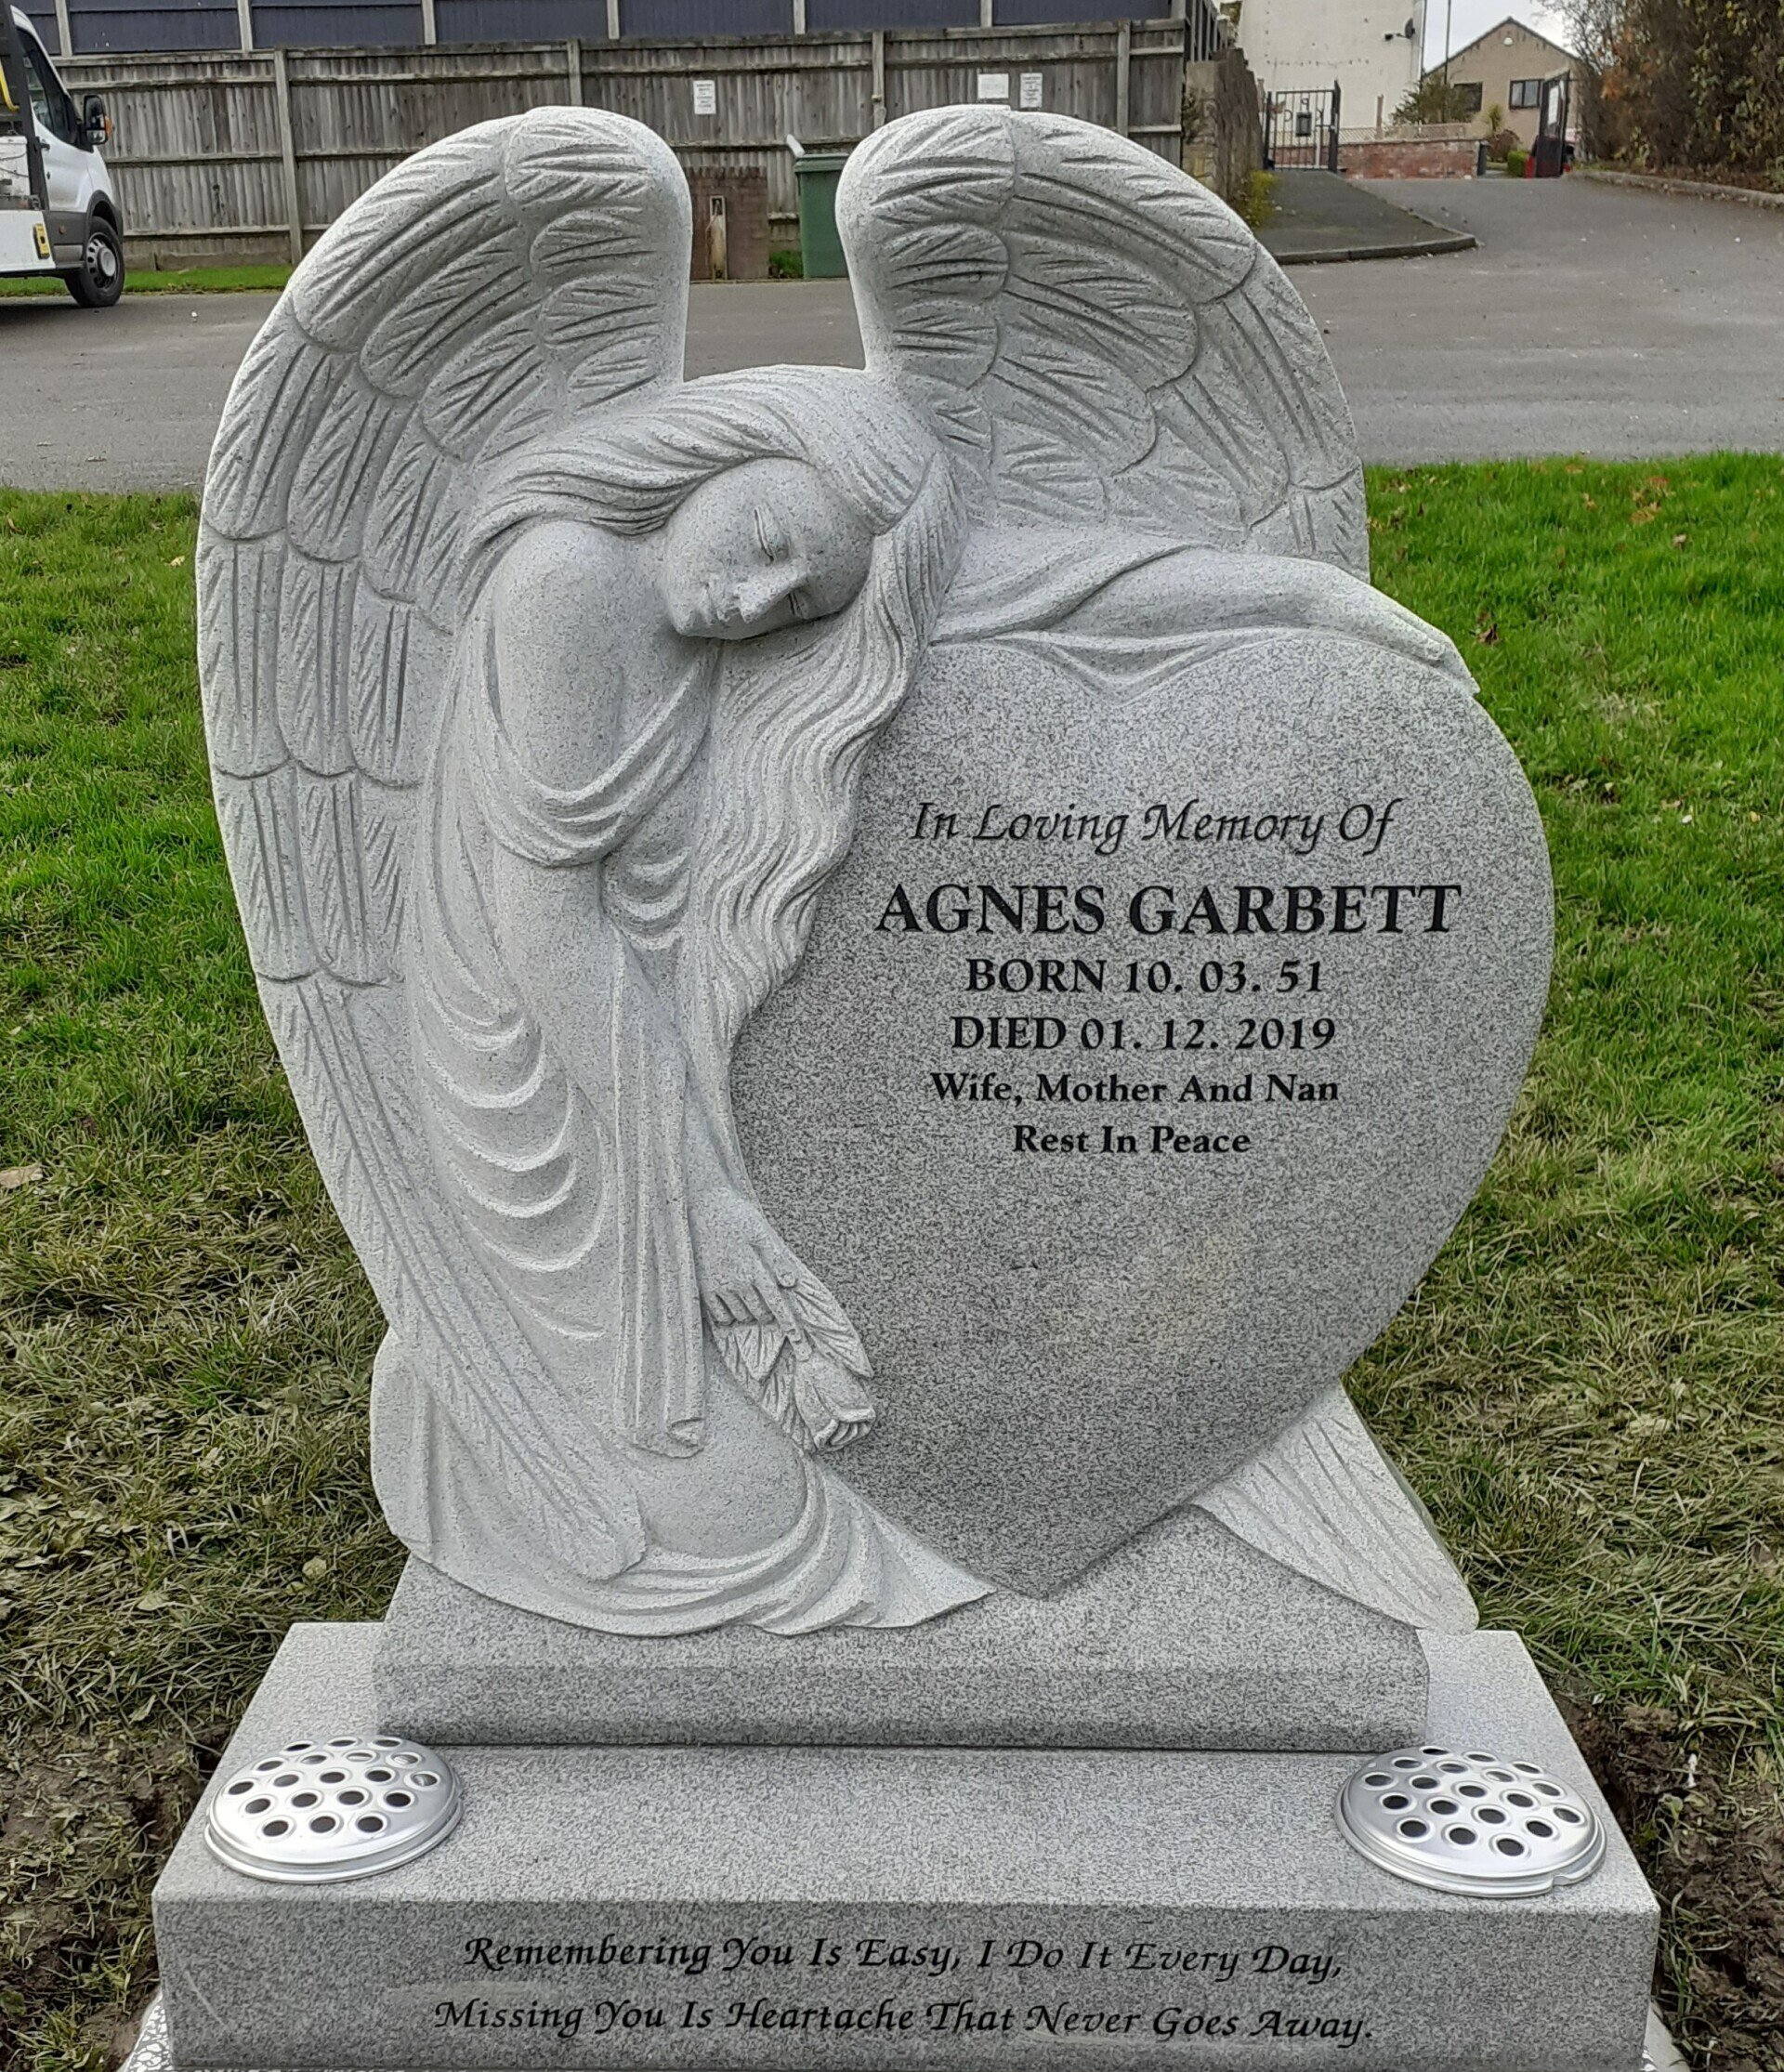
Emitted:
<point x="83" y="1829"/>
<point x="1709" y="1834"/>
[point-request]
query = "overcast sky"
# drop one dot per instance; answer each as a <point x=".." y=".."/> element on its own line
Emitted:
<point x="1473" y="17"/>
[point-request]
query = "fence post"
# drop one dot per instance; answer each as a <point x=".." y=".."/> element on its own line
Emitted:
<point x="988" y="14"/>
<point x="64" y="28"/>
<point x="574" y="70"/>
<point x="244" y="22"/>
<point x="879" y="79"/>
<point x="1124" y="58"/>
<point x="612" y="21"/>
<point x="429" y="26"/>
<point x="288" y="152"/>
<point x="798" y="17"/>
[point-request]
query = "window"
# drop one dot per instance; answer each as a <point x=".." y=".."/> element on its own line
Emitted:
<point x="1470" y="92"/>
<point x="1527" y="92"/>
<point x="52" y="107"/>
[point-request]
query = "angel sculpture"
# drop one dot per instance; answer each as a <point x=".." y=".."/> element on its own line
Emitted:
<point x="539" y="685"/>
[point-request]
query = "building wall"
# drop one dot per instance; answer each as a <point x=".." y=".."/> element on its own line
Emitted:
<point x="1292" y="44"/>
<point x="1510" y="52"/>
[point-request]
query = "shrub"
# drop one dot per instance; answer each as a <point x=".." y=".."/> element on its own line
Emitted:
<point x="1515" y="162"/>
<point x="1683" y="82"/>
<point x="1435" y="99"/>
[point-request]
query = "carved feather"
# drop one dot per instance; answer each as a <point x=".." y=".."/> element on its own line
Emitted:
<point x="1325" y="1500"/>
<point x="1089" y="300"/>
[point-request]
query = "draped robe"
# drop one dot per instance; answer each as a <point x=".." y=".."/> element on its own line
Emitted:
<point x="560" y="1114"/>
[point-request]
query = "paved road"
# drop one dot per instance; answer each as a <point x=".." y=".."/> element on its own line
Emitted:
<point x="1591" y="320"/>
<point x="1588" y="318"/>
<point x="1319" y="218"/>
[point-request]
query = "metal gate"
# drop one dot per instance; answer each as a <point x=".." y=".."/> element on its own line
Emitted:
<point x="1301" y="128"/>
<point x="1549" y="154"/>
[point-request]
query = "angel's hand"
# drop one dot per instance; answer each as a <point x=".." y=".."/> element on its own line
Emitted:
<point x="748" y="1274"/>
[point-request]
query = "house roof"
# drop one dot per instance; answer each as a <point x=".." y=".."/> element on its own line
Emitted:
<point x="1486" y="37"/>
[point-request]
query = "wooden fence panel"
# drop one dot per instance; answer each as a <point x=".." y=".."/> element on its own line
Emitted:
<point x="197" y="149"/>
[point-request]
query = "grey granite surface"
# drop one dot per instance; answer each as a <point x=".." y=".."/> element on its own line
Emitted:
<point x="607" y="1907"/>
<point x="556" y="705"/>
<point x="1186" y="1638"/>
<point x="1109" y="1266"/>
<point x="152" y="2052"/>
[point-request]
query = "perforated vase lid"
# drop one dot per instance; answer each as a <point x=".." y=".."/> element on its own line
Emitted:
<point x="318" y="1811"/>
<point x="1470" y="1823"/>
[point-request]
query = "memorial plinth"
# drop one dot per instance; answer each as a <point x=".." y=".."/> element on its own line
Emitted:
<point x="881" y="1907"/>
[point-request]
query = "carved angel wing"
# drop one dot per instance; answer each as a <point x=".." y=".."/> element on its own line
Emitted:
<point x="1097" y="337"/>
<point x="491" y="286"/>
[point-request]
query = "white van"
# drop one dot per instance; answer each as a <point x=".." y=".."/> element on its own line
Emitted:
<point x="58" y="213"/>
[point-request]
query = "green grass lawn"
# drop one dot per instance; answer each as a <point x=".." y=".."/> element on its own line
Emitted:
<point x="213" y="280"/>
<point x="1586" y="1389"/>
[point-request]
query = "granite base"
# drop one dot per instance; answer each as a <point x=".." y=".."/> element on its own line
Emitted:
<point x="878" y="1908"/>
<point x="1186" y="1638"/>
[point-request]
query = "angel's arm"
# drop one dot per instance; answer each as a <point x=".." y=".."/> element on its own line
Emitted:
<point x="1217" y="590"/>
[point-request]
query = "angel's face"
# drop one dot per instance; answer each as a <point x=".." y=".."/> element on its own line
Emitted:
<point x="761" y="547"/>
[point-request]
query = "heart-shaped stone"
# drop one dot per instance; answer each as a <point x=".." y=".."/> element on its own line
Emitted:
<point x="1146" y="1049"/>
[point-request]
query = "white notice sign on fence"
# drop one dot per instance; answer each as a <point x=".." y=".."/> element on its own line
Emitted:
<point x="705" y="96"/>
<point x="993" y="85"/>
<point x="1030" y="89"/>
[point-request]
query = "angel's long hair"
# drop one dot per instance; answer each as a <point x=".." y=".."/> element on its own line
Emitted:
<point x="794" y="712"/>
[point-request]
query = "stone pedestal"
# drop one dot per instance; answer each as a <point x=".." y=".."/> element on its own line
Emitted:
<point x="1185" y="1638"/>
<point x="833" y="1906"/>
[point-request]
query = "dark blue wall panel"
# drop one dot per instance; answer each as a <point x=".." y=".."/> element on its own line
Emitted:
<point x="519" y="20"/>
<point x="43" y="21"/>
<point x="706" y="18"/>
<point x="320" y="23"/>
<point x="891" y="14"/>
<point x="102" y="25"/>
<point x="1022" y="14"/>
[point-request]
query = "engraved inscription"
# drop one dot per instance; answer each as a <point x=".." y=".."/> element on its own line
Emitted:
<point x="1043" y="1987"/>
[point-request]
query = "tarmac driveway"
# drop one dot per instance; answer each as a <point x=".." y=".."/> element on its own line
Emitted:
<point x="1588" y="318"/>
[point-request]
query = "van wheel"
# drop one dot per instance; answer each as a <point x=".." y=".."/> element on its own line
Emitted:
<point x="98" y="282"/>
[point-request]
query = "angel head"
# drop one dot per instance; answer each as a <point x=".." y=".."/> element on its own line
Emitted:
<point x="782" y="497"/>
<point x="762" y="547"/>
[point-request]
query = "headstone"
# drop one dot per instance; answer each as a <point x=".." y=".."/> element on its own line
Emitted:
<point x="892" y="974"/>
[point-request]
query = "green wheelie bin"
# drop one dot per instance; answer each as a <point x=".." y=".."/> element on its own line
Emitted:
<point x="821" y="250"/>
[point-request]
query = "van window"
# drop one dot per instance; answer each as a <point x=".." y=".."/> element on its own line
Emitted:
<point x="51" y="106"/>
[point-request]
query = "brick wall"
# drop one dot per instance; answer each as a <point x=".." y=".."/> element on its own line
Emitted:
<point x="745" y="241"/>
<point x="1411" y="158"/>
